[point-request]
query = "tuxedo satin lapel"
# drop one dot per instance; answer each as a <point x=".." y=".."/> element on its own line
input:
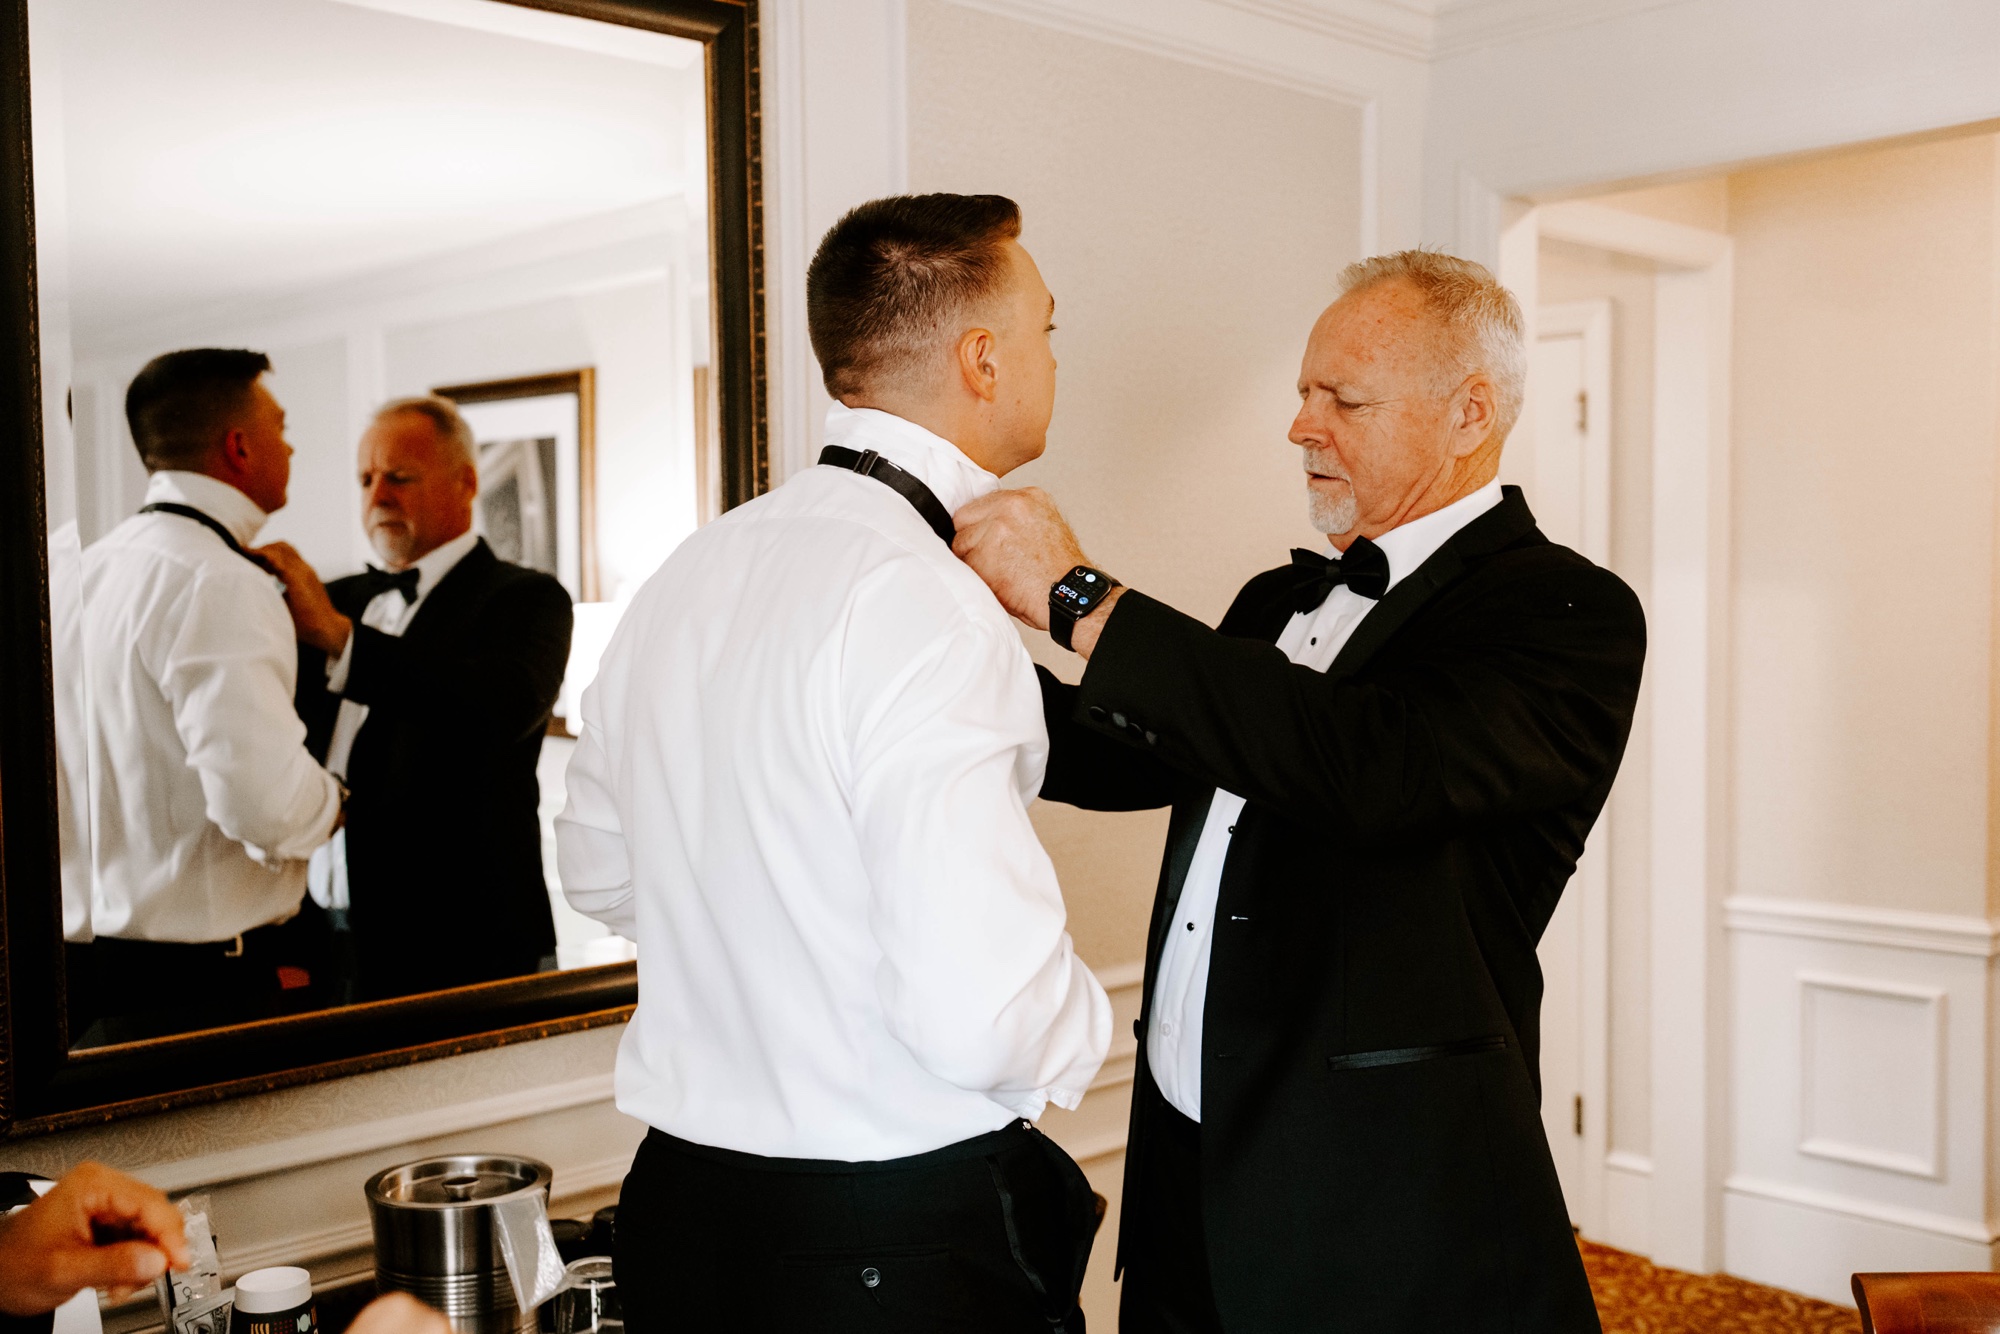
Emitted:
<point x="1180" y="855"/>
<point x="1388" y="615"/>
<point x="458" y="586"/>
<point x="1506" y="522"/>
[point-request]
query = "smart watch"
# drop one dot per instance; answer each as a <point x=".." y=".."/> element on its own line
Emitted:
<point x="1075" y="596"/>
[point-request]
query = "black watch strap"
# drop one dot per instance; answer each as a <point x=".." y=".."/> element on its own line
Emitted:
<point x="870" y="464"/>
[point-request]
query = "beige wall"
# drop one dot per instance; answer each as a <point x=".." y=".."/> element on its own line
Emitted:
<point x="1579" y="273"/>
<point x="1190" y="224"/>
<point x="1863" y="432"/>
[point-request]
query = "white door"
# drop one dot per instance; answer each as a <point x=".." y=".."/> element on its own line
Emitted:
<point x="1569" y="385"/>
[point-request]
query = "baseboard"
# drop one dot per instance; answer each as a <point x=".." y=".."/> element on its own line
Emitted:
<point x="1628" y="1202"/>
<point x="1789" y="1239"/>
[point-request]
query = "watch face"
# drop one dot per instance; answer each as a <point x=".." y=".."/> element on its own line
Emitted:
<point x="1079" y="591"/>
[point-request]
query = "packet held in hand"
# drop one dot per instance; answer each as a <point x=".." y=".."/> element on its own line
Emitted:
<point x="201" y="1281"/>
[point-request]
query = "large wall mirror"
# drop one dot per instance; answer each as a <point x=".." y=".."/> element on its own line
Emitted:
<point x="530" y="229"/>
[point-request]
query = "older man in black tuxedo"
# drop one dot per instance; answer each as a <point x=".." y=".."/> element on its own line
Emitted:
<point x="427" y="684"/>
<point x="1382" y="768"/>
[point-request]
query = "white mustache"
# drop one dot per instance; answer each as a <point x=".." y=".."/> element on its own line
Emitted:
<point x="1318" y="466"/>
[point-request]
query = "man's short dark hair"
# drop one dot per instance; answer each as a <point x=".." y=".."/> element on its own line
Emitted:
<point x="891" y="276"/>
<point x="182" y="402"/>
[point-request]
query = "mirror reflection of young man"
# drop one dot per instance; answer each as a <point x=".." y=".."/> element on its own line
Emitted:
<point x="203" y="800"/>
<point x="427" y="685"/>
<point x="802" y="788"/>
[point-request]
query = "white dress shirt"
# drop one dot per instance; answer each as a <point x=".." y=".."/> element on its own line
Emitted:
<point x="204" y="803"/>
<point x="802" y="788"/>
<point x="389" y="613"/>
<point x="1311" y="639"/>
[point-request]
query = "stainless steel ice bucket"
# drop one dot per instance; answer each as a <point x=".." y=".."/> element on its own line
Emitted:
<point x="435" y="1236"/>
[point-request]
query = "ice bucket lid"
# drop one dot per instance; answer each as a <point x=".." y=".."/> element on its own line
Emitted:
<point x="457" y="1180"/>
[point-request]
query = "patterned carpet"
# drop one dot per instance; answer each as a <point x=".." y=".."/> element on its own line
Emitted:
<point x="1634" y="1297"/>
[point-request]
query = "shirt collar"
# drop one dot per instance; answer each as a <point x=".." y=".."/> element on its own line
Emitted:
<point x="438" y="562"/>
<point x="1415" y="542"/>
<point x="217" y="499"/>
<point x="936" y="462"/>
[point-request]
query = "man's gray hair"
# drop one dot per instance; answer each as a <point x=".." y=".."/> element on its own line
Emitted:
<point x="1483" y="327"/>
<point x="442" y="414"/>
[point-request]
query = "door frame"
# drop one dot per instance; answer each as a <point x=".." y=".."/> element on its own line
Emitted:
<point x="1590" y="321"/>
<point x="1668" y="1203"/>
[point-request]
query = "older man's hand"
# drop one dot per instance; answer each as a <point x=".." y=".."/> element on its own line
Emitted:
<point x="314" y="616"/>
<point x="96" y="1229"/>
<point x="1019" y="544"/>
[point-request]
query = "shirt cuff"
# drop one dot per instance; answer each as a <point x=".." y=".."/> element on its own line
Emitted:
<point x="336" y="668"/>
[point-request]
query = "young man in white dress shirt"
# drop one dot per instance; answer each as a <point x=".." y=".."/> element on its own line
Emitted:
<point x="204" y="804"/>
<point x="802" y="788"/>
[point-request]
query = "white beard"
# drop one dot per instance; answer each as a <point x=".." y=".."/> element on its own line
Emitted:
<point x="1332" y="516"/>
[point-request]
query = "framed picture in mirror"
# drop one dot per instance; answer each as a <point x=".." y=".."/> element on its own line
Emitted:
<point x="537" y="471"/>
<point x="253" y="836"/>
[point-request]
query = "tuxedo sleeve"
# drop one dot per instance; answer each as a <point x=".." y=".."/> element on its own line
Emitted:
<point x="1524" y="708"/>
<point x="1090" y="770"/>
<point x="498" y="681"/>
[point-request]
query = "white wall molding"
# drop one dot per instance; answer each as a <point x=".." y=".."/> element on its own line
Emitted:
<point x="1861" y="1086"/>
<point x="1826" y="1007"/>
<point x="1404" y="30"/>
<point x="214" y="1169"/>
<point x="836" y="134"/>
<point x="1465" y="28"/>
<point x="1891" y="928"/>
<point x="1854" y="1206"/>
<point x="1628" y="1203"/>
<point x="1138" y="28"/>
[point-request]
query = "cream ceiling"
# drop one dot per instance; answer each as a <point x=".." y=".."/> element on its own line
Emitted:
<point x="216" y="152"/>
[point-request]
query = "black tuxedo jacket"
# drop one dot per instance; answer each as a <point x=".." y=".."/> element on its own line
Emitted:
<point x="444" y="849"/>
<point x="1372" y="1152"/>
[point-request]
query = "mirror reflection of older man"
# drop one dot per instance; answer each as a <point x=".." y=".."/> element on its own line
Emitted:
<point x="427" y="684"/>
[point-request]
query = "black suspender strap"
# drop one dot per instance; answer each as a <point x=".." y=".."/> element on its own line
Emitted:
<point x="870" y="464"/>
<point x="190" y="512"/>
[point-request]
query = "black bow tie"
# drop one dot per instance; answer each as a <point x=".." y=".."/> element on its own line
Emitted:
<point x="1364" y="569"/>
<point x="403" y="581"/>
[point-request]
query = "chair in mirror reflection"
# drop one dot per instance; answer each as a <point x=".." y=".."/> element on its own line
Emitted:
<point x="325" y="587"/>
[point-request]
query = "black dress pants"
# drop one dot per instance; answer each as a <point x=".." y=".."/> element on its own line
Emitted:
<point x="987" y="1236"/>
<point x="1166" y="1287"/>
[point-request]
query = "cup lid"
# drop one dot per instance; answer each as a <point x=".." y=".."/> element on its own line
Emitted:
<point x="279" y="1288"/>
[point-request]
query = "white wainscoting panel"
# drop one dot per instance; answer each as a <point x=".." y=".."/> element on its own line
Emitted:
<point x="1628" y="1202"/>
<point x="1860" y="1039"/>
<point x="1860" y="1093"/>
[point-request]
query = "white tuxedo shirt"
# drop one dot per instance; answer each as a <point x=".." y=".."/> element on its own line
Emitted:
<point x="204" y="803"/>
<point x="802" y="788"/>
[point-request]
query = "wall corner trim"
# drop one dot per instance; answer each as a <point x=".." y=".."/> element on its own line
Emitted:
<point x="1895" y="928"/>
